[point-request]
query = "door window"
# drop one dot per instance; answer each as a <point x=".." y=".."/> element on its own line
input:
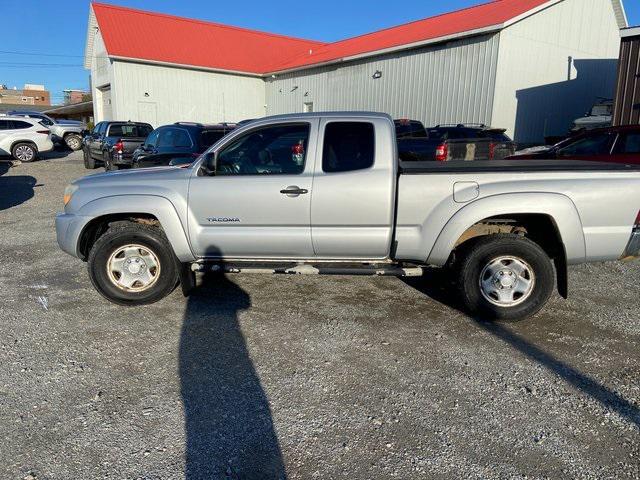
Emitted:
<point x="152" y="139"/>
<point x="599" y="144"/>
<point x="174" y="138"/>
<point x="18" y="124"/>
<point x="348" y="146"/>
<point x="209" y="137"/>
<point x="628" y="143"/>
<point x="279" y="149"/>
<point x="4" y="124"/>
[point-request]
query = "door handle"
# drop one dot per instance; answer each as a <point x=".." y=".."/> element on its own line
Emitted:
<point x="294" y="191"/>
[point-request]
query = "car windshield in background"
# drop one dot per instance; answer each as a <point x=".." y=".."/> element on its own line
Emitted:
<point x="130" y="131"/>
<point x="602" y="110"/>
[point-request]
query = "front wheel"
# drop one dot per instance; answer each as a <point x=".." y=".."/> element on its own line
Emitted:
<point x="133" y="264"/>
<point x="504" y="277"/>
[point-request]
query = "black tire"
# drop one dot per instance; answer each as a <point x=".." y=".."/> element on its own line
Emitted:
<point x="109" y="166"/>
<point x="24" y="152"/>
<point x="152" y="239"/>
<point x="476" y="261"/>
<point x="89" y="162"/>
<point x="73" y="141"/>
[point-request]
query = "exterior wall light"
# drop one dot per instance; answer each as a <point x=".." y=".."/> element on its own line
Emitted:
<point x="146" y="94"/>
<point x="377" y="75"/>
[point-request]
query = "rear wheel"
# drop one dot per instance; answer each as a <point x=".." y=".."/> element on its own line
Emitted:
<point x="89" y="162"/>
<point x="73" y="141"/>
<point x="109" y="166"/>
<point x="505" y="277"/>
<point x="25" y="152"/>
<point x="133" y="265"/>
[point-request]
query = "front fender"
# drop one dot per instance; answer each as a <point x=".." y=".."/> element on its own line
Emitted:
<point x="559" y="207"/>
<point x="159" y="207"/>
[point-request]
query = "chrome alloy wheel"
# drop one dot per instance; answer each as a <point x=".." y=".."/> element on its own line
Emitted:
<point x="507" y="281"/>
<point x="73" y="143"/>
<point x="133" y="268"/>
<point x="24" y="153"/>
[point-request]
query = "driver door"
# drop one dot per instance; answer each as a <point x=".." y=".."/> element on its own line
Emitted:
<point x="258" y="203"/>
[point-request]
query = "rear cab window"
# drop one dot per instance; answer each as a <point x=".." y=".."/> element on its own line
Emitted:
<point x="128" y="130"/>
<point x="348" y="146"/>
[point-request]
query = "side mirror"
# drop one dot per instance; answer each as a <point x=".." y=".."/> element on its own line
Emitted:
<point x="209" y="163"/>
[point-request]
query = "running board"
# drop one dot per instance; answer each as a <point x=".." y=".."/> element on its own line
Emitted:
<point x="311" y="269"/>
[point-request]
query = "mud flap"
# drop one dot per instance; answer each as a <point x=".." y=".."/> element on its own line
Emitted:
<point x="187" y="279"/>
<point x="562" y="274"/>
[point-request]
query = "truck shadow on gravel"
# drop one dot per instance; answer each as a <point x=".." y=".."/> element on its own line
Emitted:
<point x="436" y="285"/>
<point x="14" y="190"/>
<point x="228" y="424"/>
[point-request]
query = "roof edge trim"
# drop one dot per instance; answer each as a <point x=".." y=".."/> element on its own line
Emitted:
<point x="621" y="14"/>
<point x="91" y="29"/>
<point x="183" y="65"/>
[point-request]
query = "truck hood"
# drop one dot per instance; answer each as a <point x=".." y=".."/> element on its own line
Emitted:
<point x="129" y="178"/>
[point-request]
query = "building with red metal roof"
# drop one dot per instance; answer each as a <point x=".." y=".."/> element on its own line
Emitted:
<point x="479" y="64"/>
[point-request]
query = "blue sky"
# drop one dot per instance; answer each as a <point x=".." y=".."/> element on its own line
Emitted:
<point x="58" y="29"/>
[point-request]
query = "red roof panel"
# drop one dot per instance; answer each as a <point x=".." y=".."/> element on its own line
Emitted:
<point x="151" y="36"/>
<point x="164" y="38"/>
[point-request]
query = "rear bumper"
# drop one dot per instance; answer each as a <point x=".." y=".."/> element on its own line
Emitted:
<point x="633" y="247"/>
<point x="122" y="159"/>
<point x="68" y="230"/>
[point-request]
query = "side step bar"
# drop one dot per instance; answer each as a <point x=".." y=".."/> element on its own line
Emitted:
<point x="311" y="269"/>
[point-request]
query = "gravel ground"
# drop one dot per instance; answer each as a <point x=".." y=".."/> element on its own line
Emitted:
<point x="301" y="377"/>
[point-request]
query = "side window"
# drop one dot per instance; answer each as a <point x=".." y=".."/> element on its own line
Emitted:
<point x="348" y="146"/>
<point x="103" y="128"/>
<point x="18" y="124"/>
<point x="599" y="144"/>
<point x="152" y="139"/>
<point x="165" y="139"/>
<point x="4" y="125"/>
<point x="181" y="138"/>
<point x="628" y="143"/>
<point x="209" y="137"/>
<point x="279" y="149"/>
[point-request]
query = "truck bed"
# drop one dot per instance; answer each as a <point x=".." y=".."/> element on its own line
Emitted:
<point x="414" y="168"/>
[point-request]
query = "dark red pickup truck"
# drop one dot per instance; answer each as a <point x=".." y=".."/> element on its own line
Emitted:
<point x="611" y="144"/>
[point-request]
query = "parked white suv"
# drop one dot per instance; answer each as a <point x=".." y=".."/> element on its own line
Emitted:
<point x="24" y="138"/>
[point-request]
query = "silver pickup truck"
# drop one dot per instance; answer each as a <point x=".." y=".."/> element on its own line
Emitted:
<point x="325" y="193"/>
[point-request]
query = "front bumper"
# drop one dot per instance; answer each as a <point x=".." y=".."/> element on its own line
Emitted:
<point x="633" y="247"/>
<point x="68" y="230"/>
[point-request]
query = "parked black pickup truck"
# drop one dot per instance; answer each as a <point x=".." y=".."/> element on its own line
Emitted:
<point x="445" y="143"/>
<point x="111" y="144"/>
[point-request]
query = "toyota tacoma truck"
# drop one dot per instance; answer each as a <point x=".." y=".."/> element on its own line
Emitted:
<point x="325" y="193"/>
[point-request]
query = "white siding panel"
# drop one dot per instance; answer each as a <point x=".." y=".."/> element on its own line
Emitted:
<point x="166" y="95"/>
<point x="448" y="83"/>
<point x="101" y="75"/>
<point x="553" y="65"/>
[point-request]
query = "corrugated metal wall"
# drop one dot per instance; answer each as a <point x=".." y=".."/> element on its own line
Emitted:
<point x="448" y="83"/>
<point x="553" y="66"/>
<point x="627" y="103"/>
<point x="160" y="95"/>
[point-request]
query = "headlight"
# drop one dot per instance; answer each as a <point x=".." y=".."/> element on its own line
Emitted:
<point x="68" y="193"/>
